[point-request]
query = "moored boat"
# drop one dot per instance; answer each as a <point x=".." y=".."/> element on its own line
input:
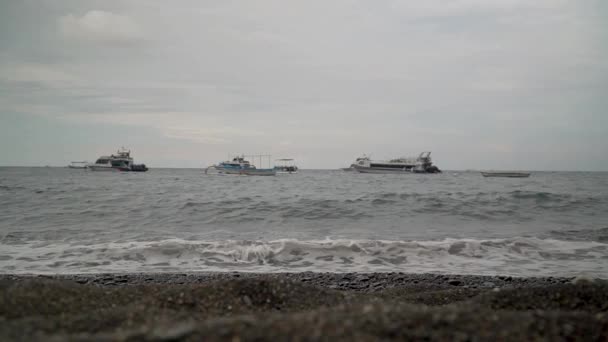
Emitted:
<point x="286" y="165"/>
<point x="240" y="166"/>
<point x="121" y="161"/>
<point x="234" y="166"/>
<point x="508" y="174"/>
<point x="420" y="164"/>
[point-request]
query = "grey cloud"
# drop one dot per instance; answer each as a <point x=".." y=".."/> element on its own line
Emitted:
<point x="100" y="26"/>
<point x="322" y="80"/>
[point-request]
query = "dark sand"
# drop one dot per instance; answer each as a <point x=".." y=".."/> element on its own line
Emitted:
<point x="301" y="306"/>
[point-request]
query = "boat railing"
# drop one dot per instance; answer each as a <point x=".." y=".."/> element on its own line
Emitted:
<point x="266" y="158"/>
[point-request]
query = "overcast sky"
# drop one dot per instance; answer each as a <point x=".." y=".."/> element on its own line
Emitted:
<point x="484" y="84"/>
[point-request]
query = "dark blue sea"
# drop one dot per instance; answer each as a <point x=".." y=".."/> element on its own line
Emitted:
<point x="59" y="220"/>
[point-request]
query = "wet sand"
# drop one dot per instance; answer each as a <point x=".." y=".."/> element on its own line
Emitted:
<point x="301" y="306"/>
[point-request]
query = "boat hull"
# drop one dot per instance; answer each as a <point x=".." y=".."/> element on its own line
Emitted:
<point x="506" y="174"/>
<point x="380" y="170"/>
<point x="244" y="172"/>
<point x="286" y="169"/>
<point x="230" y="171"/>
<point x="259" y="172"/>
<point x="102" y="168"/>
<point x="111" y="168"/>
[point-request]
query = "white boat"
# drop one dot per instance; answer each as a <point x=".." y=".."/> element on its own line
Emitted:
<point x="240" y="166"/>
<point x="230" y="167"/>
<point x="420" y="164"/>
<point x="78" y="165"/>
<point x="286" y="165"/>
<point x="121" y="161"/>
<point x="507" y="174"/>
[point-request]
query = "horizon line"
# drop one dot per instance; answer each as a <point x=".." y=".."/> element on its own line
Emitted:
<point x="311" y="169"/>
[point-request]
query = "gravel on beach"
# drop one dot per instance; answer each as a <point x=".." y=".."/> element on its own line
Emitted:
<point x="301" y="306"/>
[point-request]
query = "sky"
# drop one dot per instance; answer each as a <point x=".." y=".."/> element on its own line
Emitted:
<point x="483" y="84"/>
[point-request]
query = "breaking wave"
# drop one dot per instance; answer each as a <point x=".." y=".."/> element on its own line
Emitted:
<point x="520" y="256"/>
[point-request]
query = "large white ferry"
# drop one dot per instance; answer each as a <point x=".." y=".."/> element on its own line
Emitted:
<point x="420" y="164"/>
<point x="121" y="161"/>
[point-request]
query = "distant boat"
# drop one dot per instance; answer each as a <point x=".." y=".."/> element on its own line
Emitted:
<point x="506" y="174"/>
<point x="230" y="167"/>
<point x="240" y="166"/>
<point x="78" y="165"/>
<point x="121" y="161"/>
<point x="286" y="165"/>
<point x="420" y="164"/>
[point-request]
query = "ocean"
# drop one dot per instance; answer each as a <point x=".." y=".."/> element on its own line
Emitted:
<point x="59" y="220"/>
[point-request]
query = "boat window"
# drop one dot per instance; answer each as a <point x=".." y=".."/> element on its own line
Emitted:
<point x="101" y="161"/>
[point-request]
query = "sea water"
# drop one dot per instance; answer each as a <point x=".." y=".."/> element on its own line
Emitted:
<point x="59" y="220"/>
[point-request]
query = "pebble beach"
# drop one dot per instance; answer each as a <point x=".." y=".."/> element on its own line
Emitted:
<point x="304" y="306"/>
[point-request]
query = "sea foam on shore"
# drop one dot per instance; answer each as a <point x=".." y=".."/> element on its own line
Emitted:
<point x="518" y="256"/>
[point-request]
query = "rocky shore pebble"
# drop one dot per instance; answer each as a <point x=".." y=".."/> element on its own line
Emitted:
<point x="301" y="306"/>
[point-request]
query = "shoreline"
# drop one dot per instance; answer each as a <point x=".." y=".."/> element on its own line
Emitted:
<point x="301" y="306"/>
<point x="332" y="280"/>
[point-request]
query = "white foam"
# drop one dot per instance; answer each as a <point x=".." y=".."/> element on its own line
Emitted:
<point x="520" y="256"/>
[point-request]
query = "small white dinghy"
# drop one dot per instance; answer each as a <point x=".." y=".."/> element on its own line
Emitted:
<point x="78" y="165"/>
